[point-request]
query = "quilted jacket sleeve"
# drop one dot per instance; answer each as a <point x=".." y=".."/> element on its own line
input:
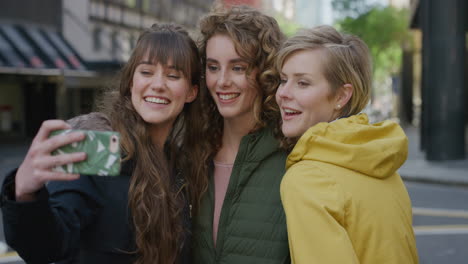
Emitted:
<point x="48" y="229"/>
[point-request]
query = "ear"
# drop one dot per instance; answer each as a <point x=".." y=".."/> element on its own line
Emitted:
<point x="192" y="94"/>
<point x="343" y="95"/>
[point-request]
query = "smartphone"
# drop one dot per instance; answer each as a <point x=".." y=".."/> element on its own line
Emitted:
<point x="102" y="149"/>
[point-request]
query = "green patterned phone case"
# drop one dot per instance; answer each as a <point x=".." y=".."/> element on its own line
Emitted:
<point x="102" y="149"/>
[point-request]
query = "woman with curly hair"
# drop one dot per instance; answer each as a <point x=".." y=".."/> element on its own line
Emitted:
<point x="141" y="216"/>
<point x="240" y="218"/>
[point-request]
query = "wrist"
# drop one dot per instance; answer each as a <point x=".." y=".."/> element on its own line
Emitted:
<point x="24" y="197"/>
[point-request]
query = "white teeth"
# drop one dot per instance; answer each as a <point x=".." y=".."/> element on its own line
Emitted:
<point x="289" y="111"/>
<point x="228" y="96"/>
<point x="156" y="100"/>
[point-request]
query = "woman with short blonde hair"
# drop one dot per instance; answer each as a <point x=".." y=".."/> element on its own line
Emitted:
<point x="343" y="198"/>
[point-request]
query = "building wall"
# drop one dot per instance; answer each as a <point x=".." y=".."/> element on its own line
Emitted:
<point x="399" y="3"/>
<point x="108" y="30"/>
<point x="43" y="12"/>
<point x="11" y="95"/>
<point x="92" y="40"/>
<point x="252" y="3"/>
<point x="310" y="13"/>
<point x="286" y="8"/>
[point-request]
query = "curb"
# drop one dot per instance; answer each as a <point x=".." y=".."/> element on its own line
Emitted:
<point x="447" y="173"/>
<point x="446" y="180"/>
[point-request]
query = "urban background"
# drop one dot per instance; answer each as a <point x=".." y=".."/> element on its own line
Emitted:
<point x="57" y="55"/>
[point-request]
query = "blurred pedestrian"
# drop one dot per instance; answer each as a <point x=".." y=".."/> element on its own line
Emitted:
<point x="240" y="219"/>
<point x="141" y="216"/>
<point x="343" y="198"/>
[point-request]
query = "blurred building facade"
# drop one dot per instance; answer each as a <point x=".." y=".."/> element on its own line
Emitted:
<point x="56" y="54"/>
<point x="253" y="3"/>
<point x="287" y="8"/>
<point x="434" y="86"/>
<point x="310" y="13"/>
<point x="305" y="13"/>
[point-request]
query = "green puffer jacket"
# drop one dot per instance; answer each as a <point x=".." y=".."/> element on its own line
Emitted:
<point x="252" y="225"/>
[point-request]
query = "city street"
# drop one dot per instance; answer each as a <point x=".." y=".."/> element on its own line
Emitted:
<point x="440" y="216"/>
<point x="404" y="60"/>
<point x="440" y="222"/>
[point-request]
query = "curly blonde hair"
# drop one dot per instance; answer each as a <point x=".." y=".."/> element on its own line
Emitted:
<point x="257" y="38"/>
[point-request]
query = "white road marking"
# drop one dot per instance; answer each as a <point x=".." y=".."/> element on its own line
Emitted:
<point x="441" y="230"/>
<point x="452" y="213"/>
<point x="422" y="230"/>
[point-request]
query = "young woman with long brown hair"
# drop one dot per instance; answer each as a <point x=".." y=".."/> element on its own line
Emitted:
<point x="141" y="216"/>
<point x="240" y="219"/>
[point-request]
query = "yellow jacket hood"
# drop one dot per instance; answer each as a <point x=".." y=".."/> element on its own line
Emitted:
<point x="376" y="150"/>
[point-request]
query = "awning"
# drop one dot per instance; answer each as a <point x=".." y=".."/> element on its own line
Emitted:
<point x="46" y="50"/>
<point x="33" y="50"/>
<point x="8" y="56"/>
<point x="64" y="50"/>
<point x="23" y="47"/>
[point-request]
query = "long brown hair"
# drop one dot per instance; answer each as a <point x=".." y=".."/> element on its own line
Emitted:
<point x="256" y="37"/>
<point x="155" y="204"/>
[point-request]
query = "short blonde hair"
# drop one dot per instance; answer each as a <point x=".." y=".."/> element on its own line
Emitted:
<point x="346" y="61"/>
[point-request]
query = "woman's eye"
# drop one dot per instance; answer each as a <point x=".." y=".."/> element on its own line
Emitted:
<point x="283" y="81"/>
<point x="174" y="76"/>
<point x="303" y="84"/>
<point x="212" y="68"/>
<point x="238" y="68"/>
<point x="146" y="72"/>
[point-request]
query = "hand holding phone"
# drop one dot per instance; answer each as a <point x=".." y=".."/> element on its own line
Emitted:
<point x="102" y="149"/>
<point x="36" y="168"/>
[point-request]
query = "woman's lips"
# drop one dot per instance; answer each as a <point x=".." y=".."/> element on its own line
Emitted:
<point x="227" y="97"/>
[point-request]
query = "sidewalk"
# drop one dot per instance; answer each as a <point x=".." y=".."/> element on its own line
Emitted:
<point x="416" y="168"/>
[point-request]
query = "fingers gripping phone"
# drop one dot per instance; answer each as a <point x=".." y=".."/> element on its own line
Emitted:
<point x="102" y="149"/>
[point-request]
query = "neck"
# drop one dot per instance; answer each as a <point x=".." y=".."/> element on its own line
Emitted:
<point x="234" y="130"/>
<point x="159" y="134"/>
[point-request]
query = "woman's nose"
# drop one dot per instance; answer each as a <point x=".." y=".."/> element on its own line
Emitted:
<point x="224" y="78"/>
<point x="284" y="91"/>
<point x="158" y="82"/>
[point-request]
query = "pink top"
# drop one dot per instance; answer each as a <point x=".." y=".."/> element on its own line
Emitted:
<point x="222" y="173"/>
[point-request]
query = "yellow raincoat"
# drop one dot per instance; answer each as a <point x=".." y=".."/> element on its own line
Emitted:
<point x="343" y="198"/>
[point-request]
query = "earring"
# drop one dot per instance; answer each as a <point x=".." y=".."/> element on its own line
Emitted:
<point x="338" y="106"/>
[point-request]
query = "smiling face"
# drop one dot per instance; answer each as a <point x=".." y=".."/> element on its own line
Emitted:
<point x="304" y="94"/>
<point x="159" y="92"/>
<point x="232" y="90"/>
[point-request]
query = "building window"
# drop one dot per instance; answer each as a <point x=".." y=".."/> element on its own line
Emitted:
<point x="115" y="45"/>
<point x="132" y="41"/>
<point x="97" y="39"/>
<point x="131" y="3"/>
<point x="146" y="6"/>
